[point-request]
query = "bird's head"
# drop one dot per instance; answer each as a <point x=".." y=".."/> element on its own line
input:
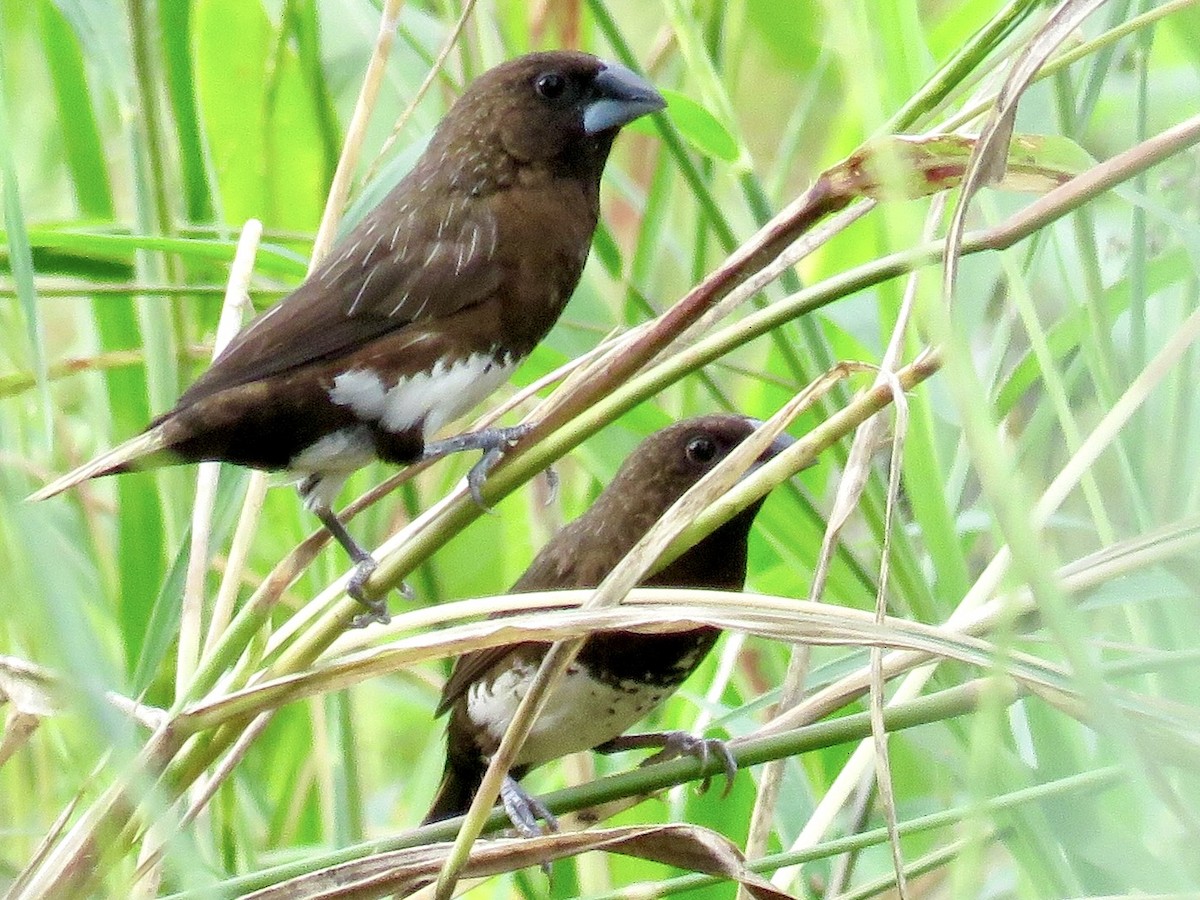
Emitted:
<point x="658" y="472"/>
<point x="547" y="106"/>
<point x="669" y="462"/>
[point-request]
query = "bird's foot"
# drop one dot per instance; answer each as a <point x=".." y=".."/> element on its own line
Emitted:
<point x="681" y="743"/>
<point x="356" y="587"/>
<point x="479" y="473"/>
<point x="673" y="744"/>
<point x="524" y="809"/>
<point x="499" y="441"/>
<point x="494" y="442"/>
<point x="364" y="566"/>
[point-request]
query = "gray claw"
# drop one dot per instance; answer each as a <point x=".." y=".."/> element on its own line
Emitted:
<point x="356" y="586"/>
<point x="478" y="475"/>
<point x="730" y="766"/>
<point x="681" y="743"/>
<point x="501" y="439"/>
<point x="524" y="810"/>
<point x="377" y="610"/>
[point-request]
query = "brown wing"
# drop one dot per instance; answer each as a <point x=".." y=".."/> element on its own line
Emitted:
<point x="552" y="569"/>
<point x="419" y="256"/>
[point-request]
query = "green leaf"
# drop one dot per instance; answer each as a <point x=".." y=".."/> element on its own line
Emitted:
<point x="21" y="257"/>
<point x="175" y="27"/>
<point x="790" y="31"/>
<point x="271" y="260"/>
<point x="82" y="144"/>
<point x="701" y="128"/>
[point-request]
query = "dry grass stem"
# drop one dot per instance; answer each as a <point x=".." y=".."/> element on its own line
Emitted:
<point x="191" y="624"/>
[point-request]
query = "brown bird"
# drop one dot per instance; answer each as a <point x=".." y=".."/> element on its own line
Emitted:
<point x="424" y="308"/>
<point x="619" y="676"/>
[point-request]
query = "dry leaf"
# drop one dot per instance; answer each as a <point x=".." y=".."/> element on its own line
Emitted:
<point x="403" y="872"/>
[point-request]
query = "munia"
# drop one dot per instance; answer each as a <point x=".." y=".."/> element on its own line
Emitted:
<point x="424" y="308"/>
<point x="618" y="676"/>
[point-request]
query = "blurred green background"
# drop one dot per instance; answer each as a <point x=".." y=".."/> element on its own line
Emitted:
<point x="137" y="138"/>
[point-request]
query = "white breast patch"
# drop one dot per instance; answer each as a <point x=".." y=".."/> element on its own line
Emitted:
<point x="431" y="398"/>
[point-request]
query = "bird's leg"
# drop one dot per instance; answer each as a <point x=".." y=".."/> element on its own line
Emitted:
<point x="364" y="565"/>
<point x="364" y="562"/>
<point x="493" y="442"/>
<point x="671" y="744"/>
<point x="524" y="809"/>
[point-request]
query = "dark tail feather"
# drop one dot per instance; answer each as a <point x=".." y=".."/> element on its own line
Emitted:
<point x="458" y="788"/>
<point x="147" y="450"/>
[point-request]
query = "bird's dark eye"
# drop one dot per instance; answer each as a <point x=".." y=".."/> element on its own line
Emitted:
<point x="550" y="85"/>
<point x="701" y="449"/>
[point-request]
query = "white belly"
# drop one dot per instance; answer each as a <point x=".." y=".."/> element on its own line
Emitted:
<point x="582" y="713"/>
<point x="338" y="453"/>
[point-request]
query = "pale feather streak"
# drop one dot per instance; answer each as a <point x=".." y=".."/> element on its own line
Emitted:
<point x="361" y="291"/>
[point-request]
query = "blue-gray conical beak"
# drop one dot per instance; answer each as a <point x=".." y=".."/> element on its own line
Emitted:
<point x="620" y="96"/>
<point x="782" y="441"/>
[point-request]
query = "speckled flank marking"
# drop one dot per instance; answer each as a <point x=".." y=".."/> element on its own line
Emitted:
<point x="581" y="714"/>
